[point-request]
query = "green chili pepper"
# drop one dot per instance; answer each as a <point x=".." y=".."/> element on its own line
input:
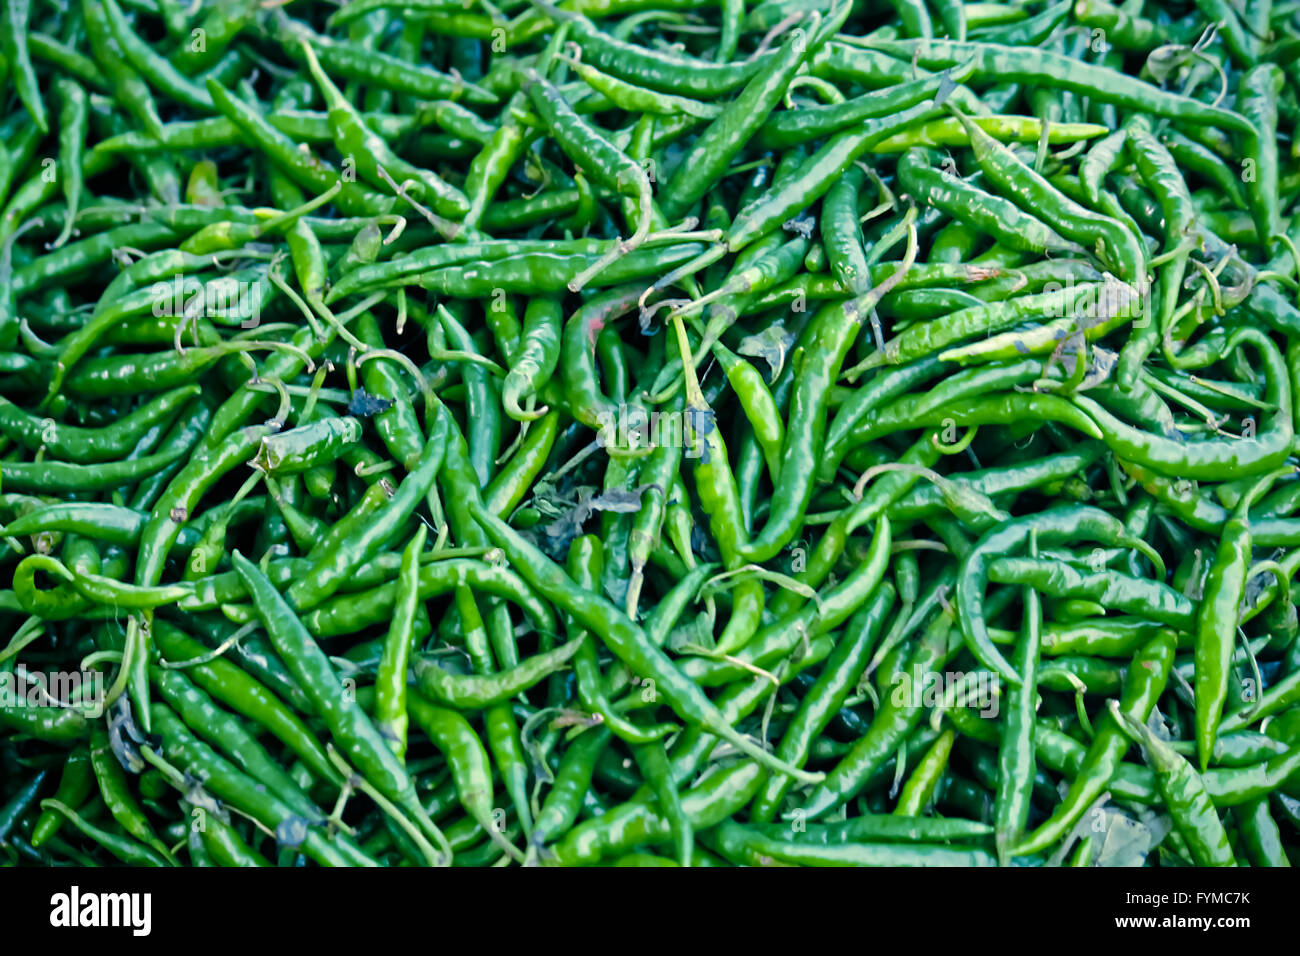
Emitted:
<point x="1143" y="684"/>
<point x="1184" y="794"/>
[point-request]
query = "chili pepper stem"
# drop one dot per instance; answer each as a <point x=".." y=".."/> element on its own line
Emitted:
<point x="645" y="202"/>
<point x="440" y="857"/>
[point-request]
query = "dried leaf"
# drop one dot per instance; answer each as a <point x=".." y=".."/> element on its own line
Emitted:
<point x="801" y="225"/>
<point x="124" y="735"/>
<point x="1103" y="363"/>
<point x="772" y="345"/>
<point x="363" y="404"/>
<point x="621" y="501"/>
<point x="1164" y="60"/>
<point x="946" y="86"/>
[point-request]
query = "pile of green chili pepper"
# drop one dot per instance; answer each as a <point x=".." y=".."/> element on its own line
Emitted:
<point x="619" y="432"/>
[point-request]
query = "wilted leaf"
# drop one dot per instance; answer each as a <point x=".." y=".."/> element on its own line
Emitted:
<point x="802" y="225"/>
<point x="772" y="345"/>
<point x="1103" y="363"/>
<point x="620" y="500"/>
<point x="946" y="86"/>
<point x="124" y="735"/>
<point x="363" y="404"/>
<point x="1124" y="842"/>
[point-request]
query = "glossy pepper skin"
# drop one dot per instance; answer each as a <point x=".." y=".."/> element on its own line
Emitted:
<point x="1143" y="684"/>
<point x="1216" y="624"/>
<point x="348" y="723"/>
<point x="898" y="718"/>
<point x="713" y="150"/>
<point x="1184" y="794"/>
<point x="341" y="447"/>
<point x="1016" y="763"/>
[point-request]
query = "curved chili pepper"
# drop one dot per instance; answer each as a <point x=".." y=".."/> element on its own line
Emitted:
<point x="315" y="674"/>
<point x="1063" y="523"/>
<point x="1011" y="64"/>
<point x="361" y="539"/>
<point x="1184" y="795"/>
<point x="1143" y="685"/>
<point x="713" y="150"/>
<point x="838" y="678"/>
<point x="1216" y="624"/>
